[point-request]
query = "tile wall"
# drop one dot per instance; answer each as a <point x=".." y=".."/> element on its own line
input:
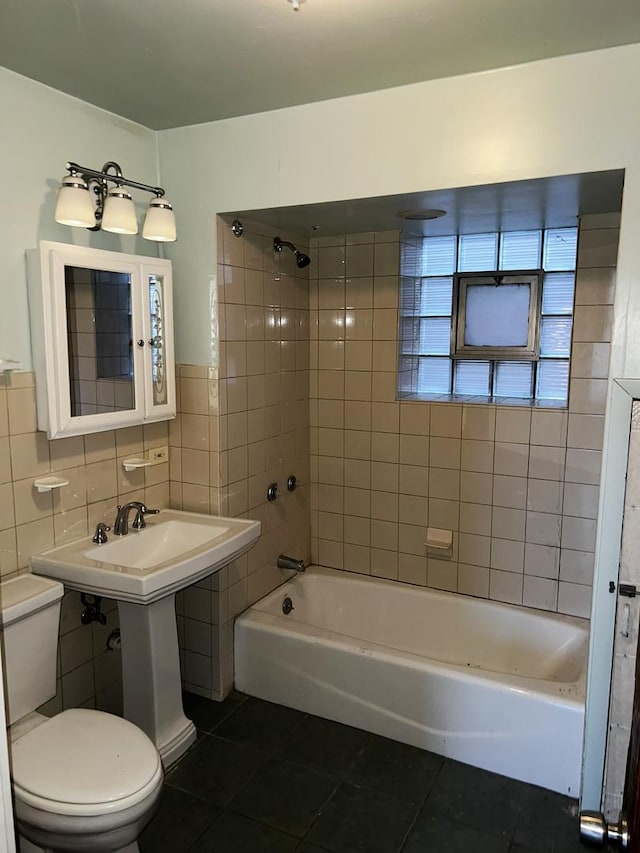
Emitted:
<point x="242" y="425"/>
<point x="517" y="486"/>
<point x="88" y="675"/>
<point x="625" y="647"/>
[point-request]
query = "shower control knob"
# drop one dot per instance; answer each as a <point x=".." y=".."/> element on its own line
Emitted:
<point x="272" y="492"/>
<point x="292" y="483"/>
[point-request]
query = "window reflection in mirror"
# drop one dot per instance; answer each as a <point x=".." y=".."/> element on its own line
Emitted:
<point x="100" y="341"/>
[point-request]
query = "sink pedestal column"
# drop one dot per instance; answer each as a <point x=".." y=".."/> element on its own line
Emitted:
<point x="151" y="684"/>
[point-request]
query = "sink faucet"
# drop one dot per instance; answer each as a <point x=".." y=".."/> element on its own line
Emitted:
<point x="121" y="524"/>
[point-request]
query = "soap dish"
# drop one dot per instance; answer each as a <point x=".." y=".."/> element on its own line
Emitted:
<point x="135" y="462"/>
<point x="47" y="484"/>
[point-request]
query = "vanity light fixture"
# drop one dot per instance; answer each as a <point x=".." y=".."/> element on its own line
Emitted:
<point x="295" y="4"/>
<point x="86" y="200"/>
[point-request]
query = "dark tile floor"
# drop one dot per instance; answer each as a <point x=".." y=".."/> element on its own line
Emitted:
<point x="262" y="778"/>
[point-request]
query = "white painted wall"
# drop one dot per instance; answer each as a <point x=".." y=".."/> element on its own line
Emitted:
<point x="41" y="130"/>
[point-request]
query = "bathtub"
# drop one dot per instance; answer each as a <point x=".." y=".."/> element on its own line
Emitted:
<point x="488" y="684"/>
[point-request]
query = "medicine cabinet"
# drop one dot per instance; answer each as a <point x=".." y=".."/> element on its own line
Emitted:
<point x="102" y="339"/>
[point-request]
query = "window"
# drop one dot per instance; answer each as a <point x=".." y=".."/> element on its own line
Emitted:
<point x="490" y="316"/>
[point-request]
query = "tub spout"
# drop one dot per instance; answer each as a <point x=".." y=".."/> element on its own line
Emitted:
<point x="285" y="562"/>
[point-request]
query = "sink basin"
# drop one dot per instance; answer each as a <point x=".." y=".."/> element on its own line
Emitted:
<point x="156" y="544"/>
<point x="175" y="550"/>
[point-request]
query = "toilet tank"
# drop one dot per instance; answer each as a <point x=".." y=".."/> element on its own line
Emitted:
<point x="29" y="619"/>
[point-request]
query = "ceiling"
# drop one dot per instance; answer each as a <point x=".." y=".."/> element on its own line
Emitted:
<point x="519" y="205"/>
<point x="165" y="63"/>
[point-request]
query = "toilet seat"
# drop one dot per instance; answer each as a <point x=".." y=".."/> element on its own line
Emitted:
<point x="84" y="763"/>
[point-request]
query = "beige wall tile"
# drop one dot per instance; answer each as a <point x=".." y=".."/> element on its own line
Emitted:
<point x="473" y="580"/>
<point x="476" y="488"/>
<point x="474" y="550"/>
<point x="545" y="496"/>
<point x="513" y="426"/>
<point x="507" y="555"/>
<point x="592" y="324"/>
<point x="540" y="592"/>
<point x="576" y="566"/>
<point x="595" y="286"/>
<point x="590" y="360"/>
<point x="29" y="456"/>
<point x="29" y="503"/>
<point x="444" y="483"/>
<point x="549" y="428"/>
<point x="511" y="459"/>
<point x="583" y="466"/>
<point x="579" y="534"/>
<point x="509" y="491"/>
<point x="543" y="561"/>
<point x="543" y="528"/>
<point x="574" y="599"/>
<point x="32" y="538"/>
<point x="508" y="523"/>
<point x="412" y="569"/>
<point x="479" y="422"/>
<point x="581" y="501"/>
<point x="21" y="404"/>
<point x="446" y="420"/>
<point x="475" y="518"/>
<point x="588" y="396"/>
<point x="546" y="463"/>
<point x="415" y="418"/>
<point x="477" y="456"/>
<point x="505" y="586"/>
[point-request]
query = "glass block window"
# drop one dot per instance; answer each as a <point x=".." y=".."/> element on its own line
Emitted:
<point x="429" y="317"/>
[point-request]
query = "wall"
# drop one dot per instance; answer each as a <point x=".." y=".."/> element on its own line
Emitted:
<point x="517" y="486"/>
<point x="42" y="130"/>
<point x="242" y="425"/>
<point x="30" y="522"/>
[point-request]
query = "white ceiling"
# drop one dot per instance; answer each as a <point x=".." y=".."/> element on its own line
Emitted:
<point x="519" y="205"/>
<point x="167" y="63"/>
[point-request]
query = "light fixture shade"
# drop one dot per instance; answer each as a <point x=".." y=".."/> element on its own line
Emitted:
<point x="119" y="215"/>
<point x="75" y="205"/>
<point x="160" y="223"/>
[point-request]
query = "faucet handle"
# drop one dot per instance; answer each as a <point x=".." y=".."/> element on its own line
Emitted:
<point x="139" y="523"/>
<point x="100" y="536"/>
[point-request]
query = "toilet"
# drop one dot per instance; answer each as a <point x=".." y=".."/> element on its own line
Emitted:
<point x="82" y="780"/>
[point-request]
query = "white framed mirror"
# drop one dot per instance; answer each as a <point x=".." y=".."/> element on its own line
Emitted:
<point x="102" y="339"/>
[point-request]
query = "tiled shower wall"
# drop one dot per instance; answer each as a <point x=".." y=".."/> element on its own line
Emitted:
<point x="88" y="674"/>
<point x="242" y="425"/>
<point x="517" y="486"/>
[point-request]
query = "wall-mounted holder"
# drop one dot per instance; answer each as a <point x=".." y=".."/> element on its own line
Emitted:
<point x="272" y="492"/>
<point x="48" y="484"/>
<point x="156" y="456"/>
<point x="439" y="543"/>
<point x="9" y="364"/>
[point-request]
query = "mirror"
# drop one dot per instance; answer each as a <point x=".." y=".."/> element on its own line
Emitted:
<point x="100" y="341"/>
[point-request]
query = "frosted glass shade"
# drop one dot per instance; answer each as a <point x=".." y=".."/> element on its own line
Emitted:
<point x="159" y="223"/>
<point x="119" y="215"/>
<point x="75" y="204"/>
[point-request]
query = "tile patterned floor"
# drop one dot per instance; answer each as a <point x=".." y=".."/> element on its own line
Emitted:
<point x="262" y="778"/>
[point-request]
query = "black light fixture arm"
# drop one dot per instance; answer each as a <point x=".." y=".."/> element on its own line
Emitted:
<point x="118" y="178"/>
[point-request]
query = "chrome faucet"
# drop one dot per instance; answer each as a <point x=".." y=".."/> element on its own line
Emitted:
<point x="121" y="524"/>
<point x="285" y="562"/>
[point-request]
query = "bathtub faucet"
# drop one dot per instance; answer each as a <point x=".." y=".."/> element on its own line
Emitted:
<point x="285" y="562"/>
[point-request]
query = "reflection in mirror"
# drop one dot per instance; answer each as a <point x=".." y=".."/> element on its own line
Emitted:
<point x="100" y="341"/>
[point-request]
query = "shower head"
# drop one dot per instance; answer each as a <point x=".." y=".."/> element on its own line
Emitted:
<point x="302" y="260"/>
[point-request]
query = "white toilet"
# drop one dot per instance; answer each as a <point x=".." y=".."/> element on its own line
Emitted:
<point x="82" y="780"/>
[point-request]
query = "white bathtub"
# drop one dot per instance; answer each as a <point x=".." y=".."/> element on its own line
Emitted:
<point x="492" y="685"/>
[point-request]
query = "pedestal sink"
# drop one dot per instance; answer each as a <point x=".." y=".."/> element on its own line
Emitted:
<point x="143" y="571"/>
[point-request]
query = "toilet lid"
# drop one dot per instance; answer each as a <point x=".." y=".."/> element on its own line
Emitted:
<point x="84" y="757"/>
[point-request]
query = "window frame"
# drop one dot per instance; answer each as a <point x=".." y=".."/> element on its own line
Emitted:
<point x="530" y="351"/>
